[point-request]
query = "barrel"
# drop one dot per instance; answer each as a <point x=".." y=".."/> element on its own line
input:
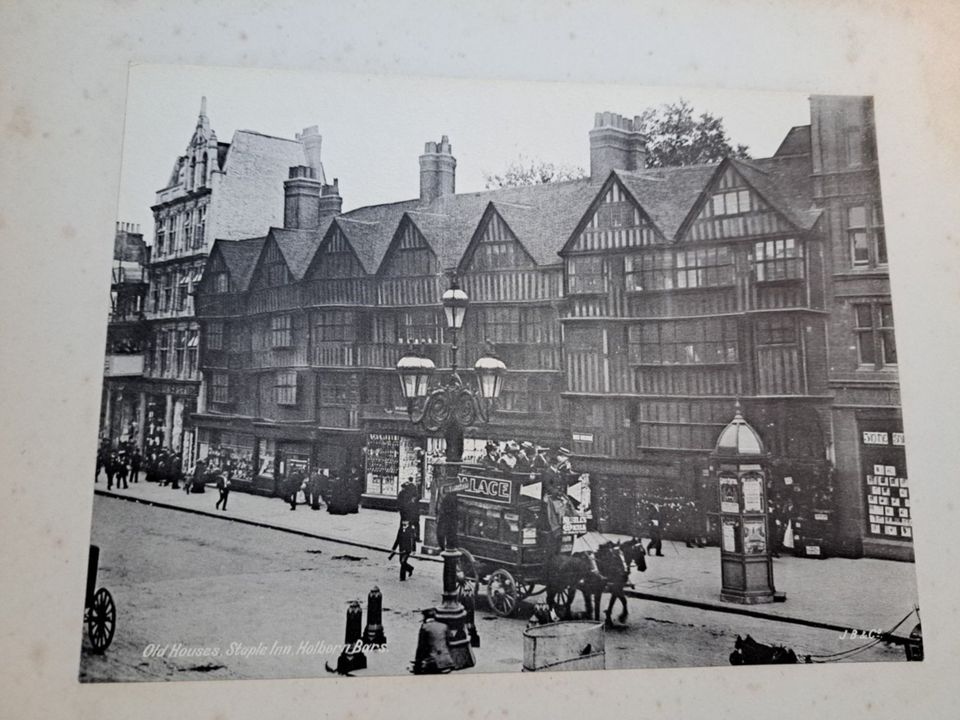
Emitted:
<point x="574" y="645"/>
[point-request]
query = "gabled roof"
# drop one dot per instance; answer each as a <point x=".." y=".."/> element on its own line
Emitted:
<point x="240" y="257"/>
<point x="370" y="231"/>
<point x="785" y="183"/>
<point x="541" y="216"/>
<point x="299" y="246"/>
<point x="667" y="194"/>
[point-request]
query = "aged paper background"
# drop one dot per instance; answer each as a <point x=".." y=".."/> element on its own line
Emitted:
<point x="62" y="92"/>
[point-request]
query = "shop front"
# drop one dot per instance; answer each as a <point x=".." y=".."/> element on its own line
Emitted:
<point x="263" y="455"/>
<point x="885" y="489"/>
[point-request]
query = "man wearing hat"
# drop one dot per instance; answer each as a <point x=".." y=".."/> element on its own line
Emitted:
<point x="540" y="462"/>
<point x="491" y="459"/>
<point x="526" y="457"/>
<point x="508" y="461"/>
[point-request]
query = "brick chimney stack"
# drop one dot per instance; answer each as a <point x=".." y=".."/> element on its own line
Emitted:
<point x="301" y="199"/>
<point x="330" y="201"/>
<point x="438" y="170"/>
<point x="616" y="143"/>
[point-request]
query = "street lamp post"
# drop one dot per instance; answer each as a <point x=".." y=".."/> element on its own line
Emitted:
<point x="450" y="408"/>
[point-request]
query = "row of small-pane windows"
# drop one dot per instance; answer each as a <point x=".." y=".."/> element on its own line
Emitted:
<point x="732" y="203"/>
<point x="778" y="260"/>
<point x="701" y="267"/>
<point x="684" y="343"/>
<point x="335" y="326"/>
<point x="776" y="331"/>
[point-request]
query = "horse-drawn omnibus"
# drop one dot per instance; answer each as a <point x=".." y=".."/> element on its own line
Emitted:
<point x="499" y="534"/>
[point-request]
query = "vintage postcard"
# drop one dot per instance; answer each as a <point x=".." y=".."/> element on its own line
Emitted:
<point x="410" y="376"/>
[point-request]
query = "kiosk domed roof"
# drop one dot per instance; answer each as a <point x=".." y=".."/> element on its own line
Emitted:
<point x="739" y="438"/>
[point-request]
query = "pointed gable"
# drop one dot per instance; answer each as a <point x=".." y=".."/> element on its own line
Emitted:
<point x="494" y="246"/>
<point x="733" y="206"/>
<point x="271" y="269"/>
<point x="409" y="254"/>
<point x="335" y="258"/>
<point x="614" y="220"/>
<point x="230" y="265"/>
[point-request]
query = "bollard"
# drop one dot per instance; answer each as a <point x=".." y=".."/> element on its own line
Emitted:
<point x="352" y="657"/>
<point x="373" y="633"/>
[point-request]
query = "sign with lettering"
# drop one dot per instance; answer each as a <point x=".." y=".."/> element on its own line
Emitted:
<point x="574" y="525"/>
<point x="885" y="484"/>
<point x="486" y="487"/>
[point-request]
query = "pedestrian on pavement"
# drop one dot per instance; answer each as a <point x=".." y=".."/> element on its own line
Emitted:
<point x="292" y="486"/>
<point x="406" y="545"/>
<point x="314" y="485"/>
<point x="408" y="502"/>
<point x="223" y="485"/>
<point x="163" y="467"/>
<point x="200" y="472"/>
<point x="121" y="471"/>
<point x="656" y="531"/>
<point x="136" y="459"/>
<point x="176" y="470"/>
<point x="102" y="455"/>
<point x="110" y="467"/>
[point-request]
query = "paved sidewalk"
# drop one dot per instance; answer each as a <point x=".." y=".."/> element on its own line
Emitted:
<point x="864" y="594"/>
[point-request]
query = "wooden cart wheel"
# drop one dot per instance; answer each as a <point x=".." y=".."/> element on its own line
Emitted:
<point x="468" y="572"/>
<point x="502" y="593"/>
<point x="101" y="620"/>
<point x="562" y="597"/>
<point x="524" y="588"/>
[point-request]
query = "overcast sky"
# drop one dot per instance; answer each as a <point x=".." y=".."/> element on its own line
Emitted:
<point x="374" y="127"/>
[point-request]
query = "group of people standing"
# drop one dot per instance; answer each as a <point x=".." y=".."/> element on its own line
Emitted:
<point x="340" y="493"/>
<point x="119" y="463"/>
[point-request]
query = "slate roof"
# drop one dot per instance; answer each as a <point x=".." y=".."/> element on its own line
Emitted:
<point x="786" y="184"/>
<point x="668" y="194"/>
<point x="240" y="257"/>
<point x="545" y="216"/>
<point x="299" y="246"/>
<point x="797" y="142"/>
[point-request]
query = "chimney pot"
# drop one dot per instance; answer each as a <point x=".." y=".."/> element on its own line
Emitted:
<point x="437" y="171"/>
<point x="616" y="144"/>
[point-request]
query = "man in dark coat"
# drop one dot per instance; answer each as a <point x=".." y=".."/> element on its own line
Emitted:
<point x="408" y="502"/>
<point x="176" y="470"/>
<point x="292" y="486"/>
<point x="314" y="485"/>
<point x="110" y="466"/>
<point x="121" y="470"/>
<point x="406" y="545"/>
<point x="136" y="459"/>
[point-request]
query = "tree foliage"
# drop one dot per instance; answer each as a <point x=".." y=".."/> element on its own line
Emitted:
<point x="528" y="171"/>
<point x="676" y="136"/>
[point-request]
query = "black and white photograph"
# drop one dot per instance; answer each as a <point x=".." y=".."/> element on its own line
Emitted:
<point x="536" y="378"/>
<point x="499" y="361"/>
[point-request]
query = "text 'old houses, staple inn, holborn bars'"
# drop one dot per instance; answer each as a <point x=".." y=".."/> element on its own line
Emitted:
<point x="633" y="308"/>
